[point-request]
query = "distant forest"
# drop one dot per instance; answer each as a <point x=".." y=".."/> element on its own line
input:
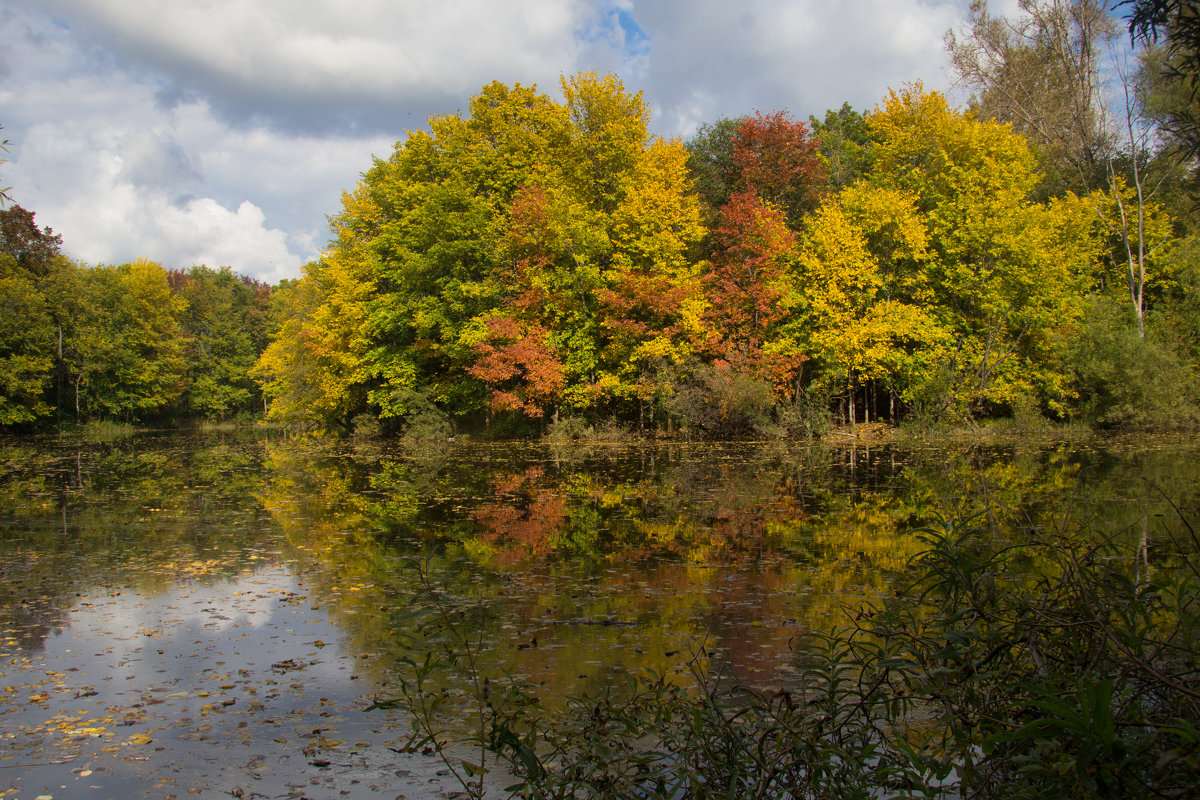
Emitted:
<point x="538" y="261"/>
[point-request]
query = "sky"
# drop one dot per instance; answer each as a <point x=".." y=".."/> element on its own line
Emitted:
<point x="223" y="132"/>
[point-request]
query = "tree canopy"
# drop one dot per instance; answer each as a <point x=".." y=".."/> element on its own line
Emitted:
<point x="531" y="260"/>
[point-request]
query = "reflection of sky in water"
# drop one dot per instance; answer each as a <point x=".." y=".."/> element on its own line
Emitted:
<point x="220" y="687"/>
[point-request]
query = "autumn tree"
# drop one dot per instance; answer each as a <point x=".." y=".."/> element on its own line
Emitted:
<point x="746" y="282"/>
<point x="1004" y="275"/>
<point x="777" y="158"/>
<point x="518" y="365"/>
<point x="526" y="225"/>
<point x="433" y="220"/>
<point x="1046" y="71"/>
<point x="288" y="370"/>
<point x="864" y="322"/>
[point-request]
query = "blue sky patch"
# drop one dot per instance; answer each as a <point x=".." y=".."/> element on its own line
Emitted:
<point x="637" y="41"/>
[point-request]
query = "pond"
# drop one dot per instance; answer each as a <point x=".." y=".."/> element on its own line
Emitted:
<point x="214" y="614"/>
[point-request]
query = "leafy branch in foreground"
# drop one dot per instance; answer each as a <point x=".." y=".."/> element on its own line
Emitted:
<point x="449" y="630"/>
<point x="1061" y="665"/>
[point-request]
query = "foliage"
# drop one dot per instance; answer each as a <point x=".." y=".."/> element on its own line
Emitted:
<point x="861" y="323"/>
<point x="845" y="145"/>
<point x="131" y="362"/>
<point x="287" y="369"/>
<point x="218" y="317"/>
<point x="1151" y="21"/>
<point x="748" y="297"/>
<point x="26" y="354"/>
<point x="532" y="258"/>
<point x="511" y="354"/>
<point x="721" y="401"/>
<point x="1126" y="380"/>
<point x="131" y="341"/>
<point x="776" y="158"/>
<point x="28" y="256"/>
<point x="1040" y="71"/>
<point x="423" y="421"/>
<point x="710" y="161"/>
<point x="1003" y="274"/>
<point x="974" y="681"/>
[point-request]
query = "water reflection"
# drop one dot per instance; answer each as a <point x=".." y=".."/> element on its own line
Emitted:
<point x="588" y="562"/>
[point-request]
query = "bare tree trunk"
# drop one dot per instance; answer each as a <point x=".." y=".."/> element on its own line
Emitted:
<point x="850" y="390"/>
<point x="1135" y="256"/>
<point x="58" y="380"/>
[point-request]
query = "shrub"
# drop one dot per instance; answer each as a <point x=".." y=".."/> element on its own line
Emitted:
<point x="720" y="401"/>
<point x="1124" y="380"/>
<point x="570" y="429"/>
<point x="422" y="420"/>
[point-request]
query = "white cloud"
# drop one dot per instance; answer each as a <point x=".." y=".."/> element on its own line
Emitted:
<point x="119" y="175"/>
<point x="727" y="59"/>
<point x="335" y="58"/>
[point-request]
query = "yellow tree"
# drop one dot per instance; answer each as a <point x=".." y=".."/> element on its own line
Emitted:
<point x="315" y="371"/>
<point x="440" y="245"/>
<point x="859" y="253"/>
<point x="126" y="357"/>
<point x="598" y="248"/>
<point x="1005" y="274"/>
<point x="651" y="303"/>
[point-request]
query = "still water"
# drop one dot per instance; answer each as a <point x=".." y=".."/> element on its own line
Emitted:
<point x="213" y="615"/>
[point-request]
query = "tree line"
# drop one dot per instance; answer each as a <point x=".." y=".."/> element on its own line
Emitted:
<point x="130" y="342"/>
<point x="541" y="260"/>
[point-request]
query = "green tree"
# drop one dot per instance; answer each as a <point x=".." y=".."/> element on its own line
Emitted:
<point x="216" y="323"/>
<point x="26" y="347"/>
<point x="845" y="145"/>
<point x="1175" y="67"/>
<point x="433" y="218"/>
<point x="126" y="353"/>
<point x="710" y="161"/>
<point x="33" y="270"/>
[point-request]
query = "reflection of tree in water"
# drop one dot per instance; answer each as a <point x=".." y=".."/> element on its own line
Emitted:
<point x="674" y="542"/>
<point x="523" y="518"/>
